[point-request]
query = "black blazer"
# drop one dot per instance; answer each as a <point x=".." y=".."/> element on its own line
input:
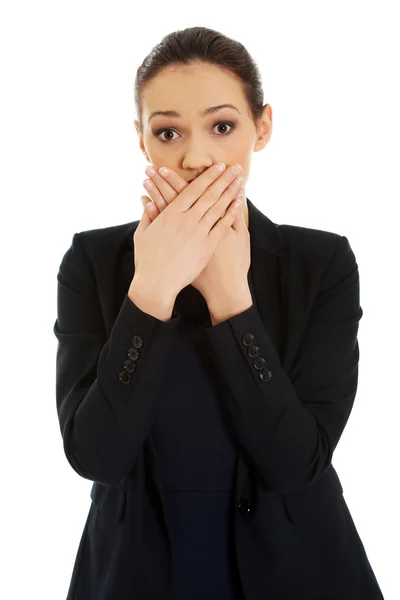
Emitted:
<point x="288" y="377"/>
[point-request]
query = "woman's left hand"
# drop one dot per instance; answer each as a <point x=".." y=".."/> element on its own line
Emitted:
<point x="228" y="267"/>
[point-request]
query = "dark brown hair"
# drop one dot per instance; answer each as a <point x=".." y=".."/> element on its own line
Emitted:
<point x="196" y="45"/>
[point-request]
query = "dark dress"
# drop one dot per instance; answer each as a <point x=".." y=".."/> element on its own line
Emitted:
<point x="197" y="456"/>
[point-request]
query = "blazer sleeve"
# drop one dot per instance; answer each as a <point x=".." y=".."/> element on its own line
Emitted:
<point x="289" y="426"/>
<point x="104" y="408"/>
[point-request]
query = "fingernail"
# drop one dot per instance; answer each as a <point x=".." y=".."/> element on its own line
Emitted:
<point x="164" y="171"/>
<point x="150" y="171"/>
<point x="236" y="169"/>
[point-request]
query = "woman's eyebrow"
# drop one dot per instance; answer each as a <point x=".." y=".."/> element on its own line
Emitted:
<point x="203" y="113"/>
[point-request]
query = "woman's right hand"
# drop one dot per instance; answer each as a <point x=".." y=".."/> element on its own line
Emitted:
<point x="171" y="251"/>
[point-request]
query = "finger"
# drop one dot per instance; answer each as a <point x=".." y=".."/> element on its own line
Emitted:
<point x="171" y="178"/>
<point x="222" y="226"/>
<point x="149" y="207"/>
<point x="171" y="184"/>
<point x="210" y="184"/>
<point x="211" y="209"/>
<point x="155" y="194"/>
<point x="239" y="223"/>
<point x="203" y="181"/>
<point x="229" y="180"/>
<point x="145" y="220"/>
<point x="166" y="188"/>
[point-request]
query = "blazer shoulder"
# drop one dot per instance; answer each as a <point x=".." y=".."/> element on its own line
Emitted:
<point x="310" y="244"/>
<point x="107" y="239"/>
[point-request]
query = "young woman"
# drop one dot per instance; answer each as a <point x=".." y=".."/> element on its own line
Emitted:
<point x="207" y="363"/>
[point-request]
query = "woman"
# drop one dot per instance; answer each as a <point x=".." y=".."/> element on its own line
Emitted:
<point x="202" y="392"/>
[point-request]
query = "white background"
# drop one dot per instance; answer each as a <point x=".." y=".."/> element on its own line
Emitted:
<point x="70" y="161"/>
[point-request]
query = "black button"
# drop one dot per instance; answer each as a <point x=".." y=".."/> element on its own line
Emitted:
<point x="133" y="354"/>
<point x="244" y="507"/>
<point x="253" y="351"/>
<point x="137" y="341"/>
<point x="248" y="339"/>
<point x="129" y="366"/>
<point x="265" y="374"/>
<point x="259" y="362"/>
<point x="124" y="377"/>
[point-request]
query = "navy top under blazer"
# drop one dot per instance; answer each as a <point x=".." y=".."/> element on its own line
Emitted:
<point x="197" y="455"/>
<point x="209" y="449"/>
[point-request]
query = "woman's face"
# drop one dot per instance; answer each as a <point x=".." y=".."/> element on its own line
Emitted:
<point x="191" y="143"/>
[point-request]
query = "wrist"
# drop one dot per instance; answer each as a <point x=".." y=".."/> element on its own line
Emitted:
<point x="151" y="299"/>
<point x="224" y="306"/>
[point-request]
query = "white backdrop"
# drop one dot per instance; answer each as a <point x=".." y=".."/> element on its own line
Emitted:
<point x="70" y="161"/>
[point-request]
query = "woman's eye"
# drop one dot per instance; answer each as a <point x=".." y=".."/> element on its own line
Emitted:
<point x="160" y="132"/>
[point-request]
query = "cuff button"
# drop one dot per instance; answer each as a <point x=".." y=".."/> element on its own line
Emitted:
<point x="137" y="341"/>
<point x="248" y="339"/>
<point x="265" y="375"/>
<point x="129" y="366"/>
<point x="124" y="377"/>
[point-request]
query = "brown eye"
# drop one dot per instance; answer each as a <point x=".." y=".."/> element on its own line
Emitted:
<point x="160" y="132"/>
<point x="223" y="125"/>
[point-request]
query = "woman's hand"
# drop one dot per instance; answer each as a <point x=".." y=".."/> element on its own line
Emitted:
<point x="229" y="265"/>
